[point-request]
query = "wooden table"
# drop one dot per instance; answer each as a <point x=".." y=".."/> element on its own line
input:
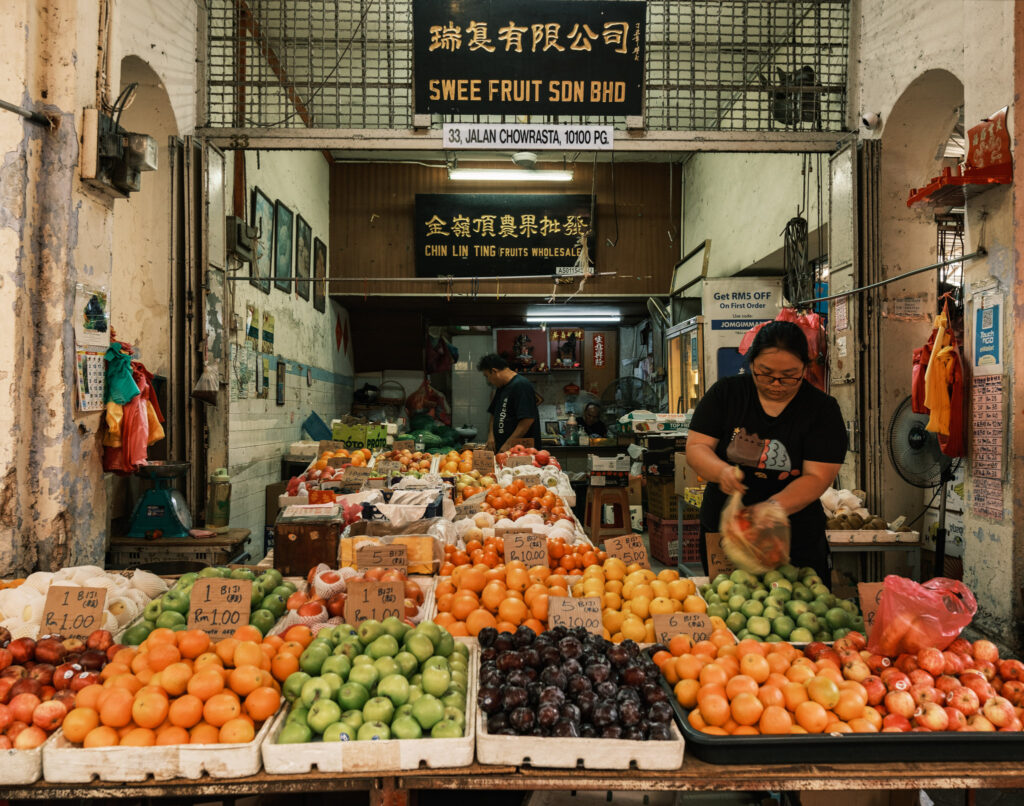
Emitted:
<point x="394" y="788"/>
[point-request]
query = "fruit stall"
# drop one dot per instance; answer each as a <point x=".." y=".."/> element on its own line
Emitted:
<point x="451" y="626"/>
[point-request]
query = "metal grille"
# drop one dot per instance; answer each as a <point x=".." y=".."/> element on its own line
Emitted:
<point x="756" y="65"/>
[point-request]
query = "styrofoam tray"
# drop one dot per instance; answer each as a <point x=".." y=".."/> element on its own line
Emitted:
<point x="23" y="766"/>
<point x="592" y="754"/>
<point x="391" y="754"/>
<point x="871" y="536"/>
<point x="65" y="763"/>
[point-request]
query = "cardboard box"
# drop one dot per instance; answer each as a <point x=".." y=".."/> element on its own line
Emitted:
<point x="618" y="463"/>
<point x="686" y="476"/>
<point x="635" y="491"/>
<point x="372" y="436"/>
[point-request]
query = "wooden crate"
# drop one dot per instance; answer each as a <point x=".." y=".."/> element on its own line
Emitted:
<point x="301" y="545"/>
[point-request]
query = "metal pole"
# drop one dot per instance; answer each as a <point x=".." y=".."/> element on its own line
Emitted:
<point x="981" y="252"/>
<point x="32" y="117"/>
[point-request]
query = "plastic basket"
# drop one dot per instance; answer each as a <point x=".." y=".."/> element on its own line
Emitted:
<point x="661" y="497"/>
<point x="664" y="536"/>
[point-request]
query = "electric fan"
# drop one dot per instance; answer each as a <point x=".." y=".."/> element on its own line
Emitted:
<point x="915" y="453"/>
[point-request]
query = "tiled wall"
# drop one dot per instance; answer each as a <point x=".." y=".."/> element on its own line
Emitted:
<point x="470" y="393"/>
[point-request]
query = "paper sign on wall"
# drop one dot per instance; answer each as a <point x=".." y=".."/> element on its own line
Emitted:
<point x="697" y="626"/>
<point x="72" y="612"/>
<point x="219" y="606"/>
<point x="628" y="548"/>
<point x="718" y="561"/>
<point x="374" y="600"/>
<point x="583" y="612"/>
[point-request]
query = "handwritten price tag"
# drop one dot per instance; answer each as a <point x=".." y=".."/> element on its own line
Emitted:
<point x="219" y="606"/>
<point x="628" y="548"/>
<point x="529" y="548"/>
<point x="374" y="600"/>
<point x="718" y="562"/>
<point x="530" y="479"/>
<point x="870" y="597"/>
<point x="483" y="461"/>
<point x="465" y="510"/>
<point x="404" y="445"/>
<point x="696" y="625"/>
<point x="355" y="478"/>
<point x="384" y="556"/>
<point x="388" y="466"/>
<point x="516" y="461"/>
<point x="72" y="612"/>
<point x="582" y="612"/>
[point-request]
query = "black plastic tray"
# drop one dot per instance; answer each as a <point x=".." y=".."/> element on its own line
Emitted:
<point x="839" y="748"/>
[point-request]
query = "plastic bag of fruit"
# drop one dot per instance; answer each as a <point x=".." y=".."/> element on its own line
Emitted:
<point x="755" y="538"/>
<point x="912" y="616"/>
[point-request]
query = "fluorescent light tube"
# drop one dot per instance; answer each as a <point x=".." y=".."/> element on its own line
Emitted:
<point x="559" y="318"/>
<point x="508" y="175"/>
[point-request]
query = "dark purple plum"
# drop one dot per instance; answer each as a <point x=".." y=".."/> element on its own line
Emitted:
<point x="599" y="672"/>
<point x="605" y="713"/>
<point x="660" y="712"/>
<point x="553" y="676"/>
<point x="531" y="657"/>
<point x="486" y="636"/>
<point x="661" y="732"/>
<point x="517" y="677"/>
<point x="566" y="728"/>
<point x="513" y="697"/>
<point x="611" y="732"/>
<point x="497" y="722"/>
<point x="521" y="719"/>
<point x="553" y="695"/>
<point x="607" y="689"/>
<point x="578" y="684"/>
<point x="507" y="661"/>
<point x="489" y="699"/>
<point x="547" y="715"/>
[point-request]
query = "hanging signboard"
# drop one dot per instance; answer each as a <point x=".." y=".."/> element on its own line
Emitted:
<point x="497" y="234"/>
<point x="528" y="57"/>
<point x="532" y="136"/>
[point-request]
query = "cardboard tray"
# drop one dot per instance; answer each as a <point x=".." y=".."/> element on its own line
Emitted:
<point x="65" y="763"/>
<point x="23" y="766"/>
<point x="851" y="748"/>
<point x="391" y="754"/>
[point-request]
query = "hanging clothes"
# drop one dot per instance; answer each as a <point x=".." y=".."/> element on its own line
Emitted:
<point x="944" y="387"/>
<point x="119" y="385"/>
<point x="132" y="424"/>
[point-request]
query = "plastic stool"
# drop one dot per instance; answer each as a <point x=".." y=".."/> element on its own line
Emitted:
<point x="618" y="499"/>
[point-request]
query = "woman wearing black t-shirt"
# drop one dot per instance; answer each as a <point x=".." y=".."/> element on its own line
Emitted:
<point x="786" y="436"/>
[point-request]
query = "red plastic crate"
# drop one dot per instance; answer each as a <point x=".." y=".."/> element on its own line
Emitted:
<point x="664" y="536"/>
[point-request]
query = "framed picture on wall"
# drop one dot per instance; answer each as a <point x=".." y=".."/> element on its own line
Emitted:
<point x="261" y="268"/>
<point x="283" y="219"/>
<point x="303" y="255"/>
<point x="319" y="272"/>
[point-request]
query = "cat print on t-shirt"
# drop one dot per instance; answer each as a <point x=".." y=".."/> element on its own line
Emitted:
<point x="750" y="450"/>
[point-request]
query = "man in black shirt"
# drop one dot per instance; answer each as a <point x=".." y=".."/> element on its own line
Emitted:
<point x="513" y="408"/>
<point x="593" y="425"/>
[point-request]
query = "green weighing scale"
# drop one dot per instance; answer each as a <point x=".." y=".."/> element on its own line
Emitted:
<point x="162" y="511"/>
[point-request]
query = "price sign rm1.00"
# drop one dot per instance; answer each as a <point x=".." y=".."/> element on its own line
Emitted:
<point x="72" y="612"/>
<point x="374" y="600"/>
<point x="219" y="606"/>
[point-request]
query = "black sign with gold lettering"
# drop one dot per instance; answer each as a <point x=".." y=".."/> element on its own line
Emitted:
<point x="499" y="234"/>
<point x="526" y="57"/>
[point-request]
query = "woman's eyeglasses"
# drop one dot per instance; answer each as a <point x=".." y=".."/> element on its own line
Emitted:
<point x="768" y="379"/>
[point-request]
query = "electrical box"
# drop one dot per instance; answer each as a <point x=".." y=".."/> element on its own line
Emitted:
<point x="241" y="238"/>
<point x="112" y="159"/>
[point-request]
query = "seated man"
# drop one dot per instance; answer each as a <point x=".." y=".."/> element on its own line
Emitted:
<point x="592" y="424"/>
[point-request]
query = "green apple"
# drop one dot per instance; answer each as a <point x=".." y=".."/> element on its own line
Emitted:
<point x="407" y="663"/>
<point x="290" y="587"/>
<point x="405" y="727"/>
<point x="312" y="659"/>
<point x="395" y="627"/>
<point x="428" y="710"/>
<point x="255" y="594"/>
<point x="386" y="666"/>
<point x="454" y="698"/>
<point x="295" y="733"/>
<point x="801" y="635"/>
<point x="386" y="646"/>
<point x="316" y="688"/>
<point x="334" y="681"/>
<point x="395" y="687"/>
<point x="175" y="599"/>
<point x="339" y="732"/>
<point x="353" y="696"/>
<point x="337" y="664"/>
<point x="446" y="644"/>
<point x="152" y="610"/>
<point x="419" y="645"/>
<point x="321" y="642"/>
<point x="263" y="620"/>
<point x="186" y="581"/>
<point x="362" y="660"/>
<point x="353" y="718"/>
<point x="370" y="630"/>
<point x="242" y="573"/>
<point x="373" y="731"/>
<point x="430" y="629"/>
<point x="270" y="579"/>
<point x="416" y="681"/>
<point x="365" y="674"/>
<point x="446" y="729"/>
<point x="379" y="709"/>
<point x="282" y="590"/>
<point x="336" y="634"/>
<point x="322" y="713"/>
<point x="462" y="649"/>
<point x="457" y="663"/>
<point x="292" y="688"/>
<point x="298" y="713"/>
<point x="415" y="692"/>
<point x="134" y="636"/>
<point x="169" y="619"/>
<point x="459" y="680"/>
<point x="210" y="572"/>
<point x="402" y="710"/>
<point x="349" y="646"/>
<point x="435" y="662"/>
<point x="455" y="714"/>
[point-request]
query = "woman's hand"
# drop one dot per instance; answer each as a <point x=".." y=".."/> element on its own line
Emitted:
<point x="730" y="480"/>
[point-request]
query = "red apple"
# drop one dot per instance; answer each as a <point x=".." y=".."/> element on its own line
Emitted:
<point x="894" y="679"/>
<point x="99" y="639"/>
<point x="30" y="738"/>
<point x="22" y="649"/>
<point x="43" y="672"/>
<point x="906" y="663"/>
<point x="964" y="700"/>
<point x="83" y="679"/>
<point x="979" y="685"/>
<point x="50" y="650"/>
<point x="814" y="649"/>
<point x="16" y="727"/>
<point x="999" y="711"/>
<point x="6" y="717"/>
<point x="856" y="670"/>
<point x="900" y="702"/>
<point x="1012" y="727"/>
<point x="957" y="720"/>
<point x="1011" y="670"/>
<point x="47" y="693"/>
<point x="6" y="684"/>
<point x="413" y="590"/>
<point x="858" y="639"/>
<point x="1013" y="690"/>
<point x="27" y="685"/>
<point x="336" y="605"/>
<point x="875" y="688"/>
<point x="49" y="715"/>
<point x="987" y="669"/>
<point x="946" y="683"/>
<point x="93" y="659"/>
<point x="112" y="650"/>
<point x="953" y="664"/>
<point x="878" y="662"/>
<point x="67" y="697"/>
<point x="931" y="660"/>
<point x="895" y="722"/>
<point x="6" y="658"/>
<point x="932" y="716"/>
<point x="978" y="723"/>
<point x="63" y="675"/>
<point x="73" y="644"/>
<point x="6" y="743"/>
<point x="985" y="650"/>
<point x="923" y="693"/>
<point x="22" y="707"/>
<point x="919" y="676"/>
<point x="411" y="608"/>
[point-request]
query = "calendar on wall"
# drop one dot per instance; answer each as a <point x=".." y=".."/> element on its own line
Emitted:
<point x="90" y="369"/>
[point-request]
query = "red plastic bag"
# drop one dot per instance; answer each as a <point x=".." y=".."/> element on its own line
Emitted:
<point x="755" y="538"/>
<point x="912" y="616"/>
<point x="427" y="400"/>
<point x="817" y="345"/>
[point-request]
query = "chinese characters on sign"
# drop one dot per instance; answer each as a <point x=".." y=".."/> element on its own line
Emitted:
<point x="550" y="57"/>
<point x="565" y="347"/>
<point x="495" y="234"/>
<point x="598" y="350"/>
<point x="987" y="439"/>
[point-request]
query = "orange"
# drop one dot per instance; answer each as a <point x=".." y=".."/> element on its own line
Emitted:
<point x="161" y="635"/>
<point x="714" y="709"/>
<point x="139" y="737"/>
<point x="824" y="691"/>
<point x="478" y="620"/>
<point x="130" y="682"/>
<point x="204" y="733"/>
<point x="246" y="678"/>
<point x="171" y="734"/>
<point x="730" y="663"/>
<point x="799" y="673"/>
<point x="444" y="602"/>
<point x="739" y="684"/>
<point x="463" y="604"/>
<point x="140" y="662"/>
<point x="493" y="595"/>
<point x="472" y="579"/>
<point x="149" y="709"/>
<point x="850" y="705"/>
<point x="713" y="673"/>
<point x="688" y="667"/>
<point x="539" y="607"/>
<point x="283" y="665"/>
<point x="513" y="611"/>
<point x="209" y="659"/>
<point x="535" y="625"/>
<point x="163" y="655"/>
<point x="746" y="708"/>
<point x="771" y="695"/>
<point x="174" y="678"/>
<point x="517" y="578"/>
<point x="458" y="628"/>
<point x="225" y="649"/>
<point x="86" y="697"/>
<point x="78" y="723"/>
<point x="777" y="662"/>
<point x="247" y="632"/>
<point x="206" y="683"/>
<point x="679" y="645"/>
<point x="247" y="653"/>
<point x="114" y="669"/>
<point x="103" y="736"/>
<point x="696" y="720"/>
<point x="756" y="666"/>
<point x="505" y="626"/>
<point x="441" y="620"/>
<point x="220" y="708"/>
<point x="299" y="633"/>
<point x="291" y="648"/>
<point x="273" y="641"/>
<point x="236" y="731"/>
<point x="775" y="721"/>
<point x="116" y="708"/>
<point x="795" y="693"/>
<point x="262" y="703"/>
<point x="686" y="693"/>
<point x="125" y="656"/>
<point x="185" y="711"/>
<point x="811" y="716"/>
<point x="532" y="592"/>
